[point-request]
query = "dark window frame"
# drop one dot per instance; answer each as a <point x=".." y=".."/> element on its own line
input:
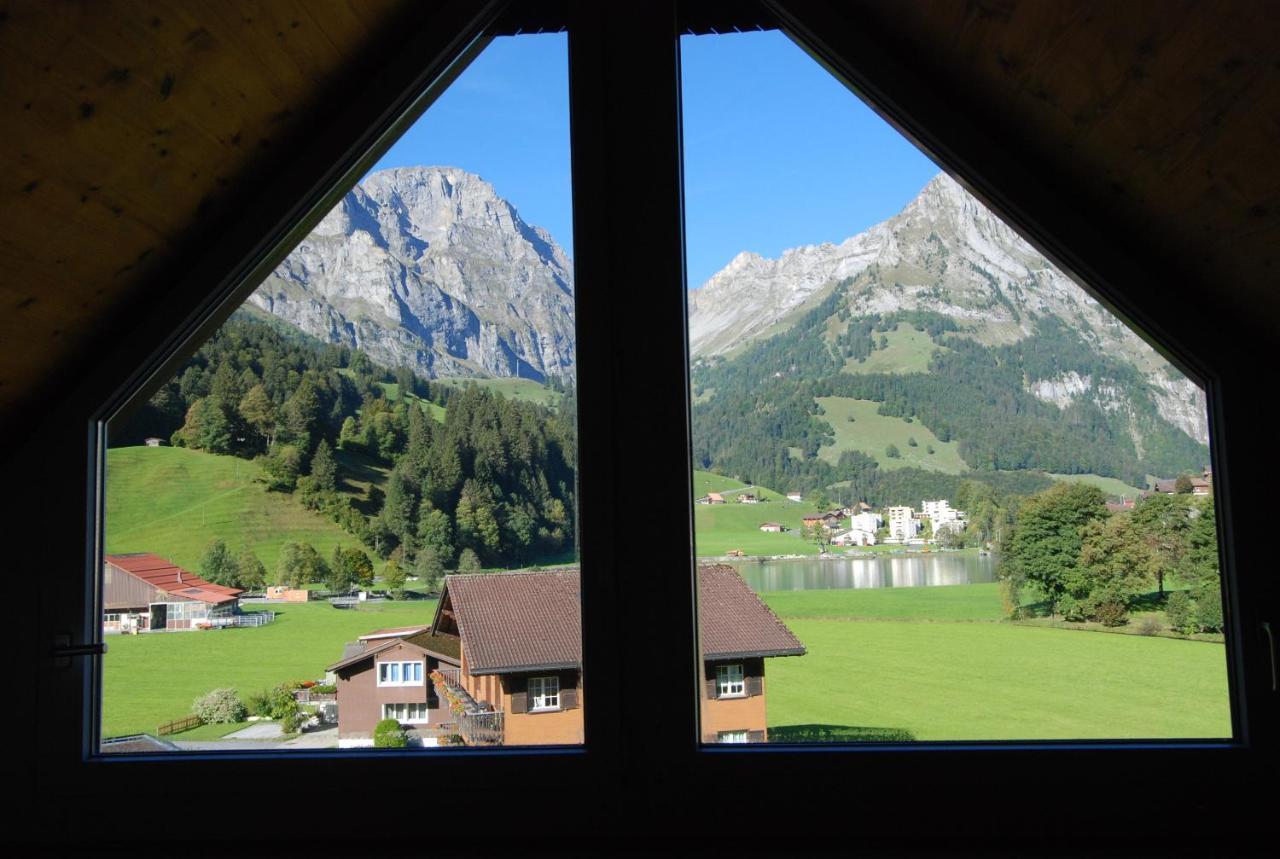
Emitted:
<point x="624" y="82"/>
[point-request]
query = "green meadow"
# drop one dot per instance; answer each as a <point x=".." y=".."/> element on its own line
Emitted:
<point x="1112" y="486"/>
<point x="514" y="389"/>
<point x="721" y="528"/>
<point x="173" y="501"/>
<point x="151" y="679"/>
<point x="909" y="352"/>
<point x="392" y="392"/>
<point x="938" y="664"/>
<point x="872" y="434"/>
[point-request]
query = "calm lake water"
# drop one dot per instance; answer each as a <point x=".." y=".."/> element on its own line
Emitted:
<point x="879" y="572"/>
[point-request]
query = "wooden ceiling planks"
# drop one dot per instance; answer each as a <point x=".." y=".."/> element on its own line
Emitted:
<point x="1165" y="114"/>
<point x="130" y="127"/>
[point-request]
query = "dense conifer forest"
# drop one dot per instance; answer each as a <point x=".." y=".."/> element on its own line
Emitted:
<point x="491" y="484"/>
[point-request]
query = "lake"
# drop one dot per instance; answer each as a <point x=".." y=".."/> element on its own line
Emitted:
<point x="907" y="571"/>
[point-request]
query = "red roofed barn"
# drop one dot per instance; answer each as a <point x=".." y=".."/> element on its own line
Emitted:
<point x="144" y="592"/>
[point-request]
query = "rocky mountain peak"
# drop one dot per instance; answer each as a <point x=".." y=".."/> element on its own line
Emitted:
<point x="428" y="267"/>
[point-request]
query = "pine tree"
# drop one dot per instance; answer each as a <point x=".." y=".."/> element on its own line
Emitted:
<point x="324" y="468"/>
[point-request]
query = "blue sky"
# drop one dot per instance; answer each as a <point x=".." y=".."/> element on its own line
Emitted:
<point x="777" y="153"/>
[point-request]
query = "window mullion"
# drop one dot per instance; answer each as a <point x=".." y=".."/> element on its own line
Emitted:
<point x="636" y="526"/>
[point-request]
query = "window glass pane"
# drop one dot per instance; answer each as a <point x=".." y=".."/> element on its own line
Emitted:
<point x="386" y="427"/>
<point x="941" y="493"/>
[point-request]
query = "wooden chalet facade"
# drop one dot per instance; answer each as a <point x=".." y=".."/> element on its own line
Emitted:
<point x="501" y="663"/>
<point x="146" y="593"/>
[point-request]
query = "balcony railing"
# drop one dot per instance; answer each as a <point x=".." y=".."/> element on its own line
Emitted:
<point x="481" y="729"/>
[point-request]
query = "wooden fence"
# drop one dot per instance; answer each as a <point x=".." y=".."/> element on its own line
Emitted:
<point x="179" y="725"/>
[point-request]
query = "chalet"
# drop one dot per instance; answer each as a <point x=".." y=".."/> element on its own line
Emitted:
<point x="833" y="520"/>
<point x="771" y="527"/>
<point x="810" y="522"/>
<point x="501" y="663"/>
<point x="144" y="593"/>
<point x="748" y="498"/>
<point x="1121" y="505"/>
<point x="793" y="495"/>
<point x="711" y="498"/>
<point x="386" y="674"/>
<point x="153" y="442"/>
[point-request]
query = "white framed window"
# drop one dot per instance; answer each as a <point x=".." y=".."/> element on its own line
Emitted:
<point x="400" y="673"/>
<point x="730" y="682"/>
<point x="732" y="737"/>
<point x="409" y="714"/>
<point x="544" y="693"/>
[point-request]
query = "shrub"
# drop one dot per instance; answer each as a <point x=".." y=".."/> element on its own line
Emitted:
<point x="1150" y="626"/>
<point x="1071" y="608"/>
<point x="324" y="689"/>
<point x="282" y="703"/>
<point x="219" y="707"/>
<point x="259" y="703"/>
<point x="388" y="735"/>
<point x="1209" y="610"/>
<point x="293" y="722"/>
<point x="1109" y="612"/>
<point x="1179" y="610"/>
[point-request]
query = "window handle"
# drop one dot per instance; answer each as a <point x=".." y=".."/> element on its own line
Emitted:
<point x="1271" y="653"/>
<point x="64" y="650"/>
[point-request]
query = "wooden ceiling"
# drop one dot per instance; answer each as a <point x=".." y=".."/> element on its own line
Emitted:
<point x="134" y="132"/>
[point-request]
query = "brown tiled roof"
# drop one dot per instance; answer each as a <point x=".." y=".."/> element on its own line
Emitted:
<point x="447" y="646"/>
<point x="532" y="621"/>
<point x="517" y="621"/>
<point x="735" y="622"/>
<point x="172" y="579"/>
<point x="396" y="632"/>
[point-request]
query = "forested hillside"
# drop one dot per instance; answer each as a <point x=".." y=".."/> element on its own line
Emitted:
<point x="756" y="415"/>
<point x="493" y="481"/>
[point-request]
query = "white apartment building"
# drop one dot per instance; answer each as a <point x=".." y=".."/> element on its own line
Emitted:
<point x="943" y="516"/>
<point x="866" y="522"/>
<point x="902" y="524"/>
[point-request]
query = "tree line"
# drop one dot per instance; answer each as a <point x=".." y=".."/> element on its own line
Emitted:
<point x="491" y="485"/>
<point x="1067" y="554"/>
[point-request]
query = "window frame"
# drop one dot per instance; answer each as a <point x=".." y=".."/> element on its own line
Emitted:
<point x="621" y="58"/>
<point x="544" y="681"/>
<point x="397" y="667"/>
<point x="725" y="680"/>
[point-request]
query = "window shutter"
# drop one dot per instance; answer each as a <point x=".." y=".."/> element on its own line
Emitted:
<point x="568" y="698"/>
<point x="755" y="736"/>
<point x="519" y="695"/>
<point x="754" y="685"/>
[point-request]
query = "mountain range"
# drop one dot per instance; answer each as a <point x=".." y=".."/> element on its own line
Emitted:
<point x="428" y="268"/>
<point x="944" y="253"/>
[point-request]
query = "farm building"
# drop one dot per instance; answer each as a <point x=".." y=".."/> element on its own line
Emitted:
<point x="144" y="592"/>
<point x="711" y="498"/>
<point x="748" y="498"/>
<point x="854" y="537"/>
<point x="794" y="495"/>
<point x="771" y="527"/>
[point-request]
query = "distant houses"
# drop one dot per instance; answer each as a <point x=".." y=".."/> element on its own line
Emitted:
<point x="712" y="498"/>
<point x="153" y="442"/>
<point x="1201" y="485"/>
<point x="903" y="525"/>
<point x="748" y="498"/>
<point x="794" y="495"/>
<point x="772" y="527"/>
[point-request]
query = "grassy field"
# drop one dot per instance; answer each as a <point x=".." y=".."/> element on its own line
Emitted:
<point x="719" y="528"/>
<point x="515" y="389"/>
<point x="174" y="501"/>
<point x="391" y="390"/>
<point x="909" y="352"/>
<point x="872" y="433"/>
<point x="1112" y="486"/>
<point x="935" y="664"/>
<point x="150" y="679"/>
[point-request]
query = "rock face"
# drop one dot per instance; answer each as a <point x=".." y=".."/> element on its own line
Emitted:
<point x="944" y="252"/>
<point x="427" y="267"/>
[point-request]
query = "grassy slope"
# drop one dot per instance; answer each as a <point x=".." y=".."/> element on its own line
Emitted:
<point x="1110" y="485"/>
<point x="392" y="392"/>
<point x="149" y="679"/>
<point x="872" y="433"/>
<point x="514" y="389"/>
<point x="909" y="352"/>
<point x="955" y="674"/>
<point x="721" y="527"/>
<point x="173" y="501"/>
